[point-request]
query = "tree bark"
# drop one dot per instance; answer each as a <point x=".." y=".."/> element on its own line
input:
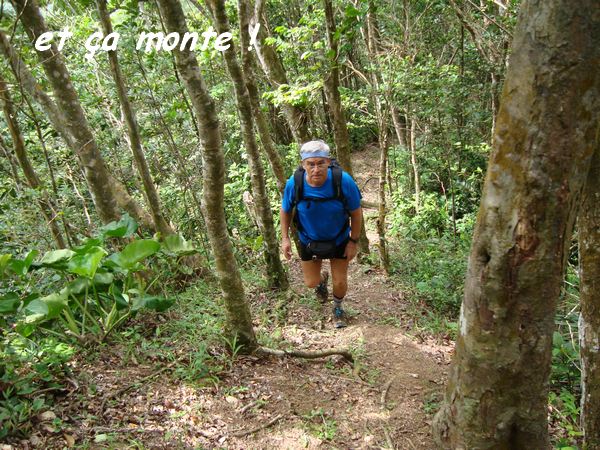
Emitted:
<point x="331" y="85"/>
<point x="273" y="68"/>
<point x="135" y="139"/>
<point x="213" y="170"/>
<point x="543" y="143"/>
<point x="274" y="268"/>
<point x="107" y="193"/>
<point x="31" y="176"/>
<point x="275" y="160"/>
<point x="589" y="295"/>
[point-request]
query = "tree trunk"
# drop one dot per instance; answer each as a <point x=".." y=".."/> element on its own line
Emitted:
<point x="331" y="85"/>
<point x="414" y="164"/>
<point x="543" y="143"/>
<point x="213" y="170"/>
<point x="30" y="175"/>
<point x="107" y="193"/>
<point x="273" y="68"/>
<point x="274" y="268"/>
<point x="275" y="160"/>
<point x="135" y="139"/>
<point x="589" y="295"/>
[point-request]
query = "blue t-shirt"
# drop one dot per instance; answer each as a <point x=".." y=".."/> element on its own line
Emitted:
<point x="322" y="221"/>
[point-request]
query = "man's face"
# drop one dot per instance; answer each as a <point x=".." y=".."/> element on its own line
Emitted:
<point x="316" y="170"/>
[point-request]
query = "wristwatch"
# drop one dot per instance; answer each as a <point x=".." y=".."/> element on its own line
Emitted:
<point x="353" y="240"/>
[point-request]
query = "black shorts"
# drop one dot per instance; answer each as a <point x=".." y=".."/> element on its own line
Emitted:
<point x="337" y="253"/>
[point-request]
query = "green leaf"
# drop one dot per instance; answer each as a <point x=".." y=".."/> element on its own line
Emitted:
<point x="175" y="243"/>
<point x="21" y="267"/>
<point x="9" y="303"/>
<point x="125" y="227"/>
<point x="76" y="287"/>
<point x="56" y="256"/>
<point x="4" y="259"/>
<point x="152" y="302"/>
<point x="36" y="311"/>
<point x="55" y="304"/>
<point x="86" y="264"/>
<point x="135" y="252"/>
<point x="103" y="278"/>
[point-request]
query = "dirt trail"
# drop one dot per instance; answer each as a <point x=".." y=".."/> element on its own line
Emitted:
<point x="383" y="401"/>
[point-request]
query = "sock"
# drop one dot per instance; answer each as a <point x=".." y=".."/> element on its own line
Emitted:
<point x="337" y="301"/>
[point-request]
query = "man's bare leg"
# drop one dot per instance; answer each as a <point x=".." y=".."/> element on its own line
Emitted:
<point x="339" y="273"/>
<point x="312" y="272"/>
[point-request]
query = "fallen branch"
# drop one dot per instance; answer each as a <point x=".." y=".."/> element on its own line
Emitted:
<point x="273" y="421"/>
<point x="384" y="391"/>
<point x="306" y="354"/>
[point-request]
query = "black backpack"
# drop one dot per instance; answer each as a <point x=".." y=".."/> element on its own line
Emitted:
<point x="338" y="193"/>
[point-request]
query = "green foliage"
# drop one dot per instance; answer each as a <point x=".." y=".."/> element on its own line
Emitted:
<point x="81" y="292"/>
<point x="27" y="367"/>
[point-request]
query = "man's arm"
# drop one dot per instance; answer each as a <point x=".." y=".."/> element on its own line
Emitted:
<point x="286" y="245"/>
<point x="355" y="225"/>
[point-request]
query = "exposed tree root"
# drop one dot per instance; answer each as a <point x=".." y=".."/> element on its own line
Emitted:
<point x="306" y="354"/>
<point x="273" y="421"/>
<point x="384" y="391"/>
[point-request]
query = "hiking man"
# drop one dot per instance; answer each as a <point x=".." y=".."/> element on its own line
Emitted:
<point x="325" y="204"/>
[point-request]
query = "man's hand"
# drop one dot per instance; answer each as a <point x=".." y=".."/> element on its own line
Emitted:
<point x="351" y="250"/>
<point x="286" y="247"/>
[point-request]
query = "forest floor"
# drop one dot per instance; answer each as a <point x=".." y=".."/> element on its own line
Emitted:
<point x="385" y="400"/>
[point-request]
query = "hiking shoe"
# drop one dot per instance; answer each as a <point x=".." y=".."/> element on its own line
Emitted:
<point x="321" y="290"/>
<point x="339" y="317"/>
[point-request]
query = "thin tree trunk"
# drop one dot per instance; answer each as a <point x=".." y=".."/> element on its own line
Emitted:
<point x="107" y="193"/>
<point x="275" y="160"/>
<point x="589" y="295"/>
<point x="273" y="68"/>
<point x="135" y="140"/>
<point x="30" y="175"/>
<point x="543" y="142"/>
<point x="414" y="164"/>
<point x="331" y="85"/>
<point x="274" y="268"/>
<point x="12" y="162"/>
<point x="238" y="312"/>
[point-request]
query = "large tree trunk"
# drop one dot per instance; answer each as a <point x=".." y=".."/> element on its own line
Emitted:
<point x="274" y="268"/>
<point x="135" y="140"/>
<point x="275" y="160"/>
<point x="273" y="68"/>
<point x="543" y="143"/>
<point x="46" y="206"/>
<point x="213" y="171"/>
<point x="107" y="193"/>
<point x="589" y="294"/>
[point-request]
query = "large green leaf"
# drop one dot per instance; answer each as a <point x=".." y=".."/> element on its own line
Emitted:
<point x="152" y="302"/>
<point x="87" y="263"/>
<point x="36" y="311"/>
<point x="56" y="257"/>
<point x="176" y="244"/>
<point x="9" y="303"/>
<point x="21" y="266"/>
<point x="123" y="228"/>
<point x="134" y="252"/>
<point x="55" y="304"/>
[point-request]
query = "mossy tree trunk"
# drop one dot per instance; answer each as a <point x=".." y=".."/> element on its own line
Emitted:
<point x="47" y="208"/>
<point x="543" y="143"/>
<point x="248" y="64"/>
<point x="274" y="268"/>
<point x="135" y="139"/>
<point x="107" y="193"/>
<point x="589" y="294"/>
<point x="213" y="172"/>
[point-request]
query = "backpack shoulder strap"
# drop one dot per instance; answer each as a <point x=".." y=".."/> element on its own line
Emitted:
<point x="298" y="185"/>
